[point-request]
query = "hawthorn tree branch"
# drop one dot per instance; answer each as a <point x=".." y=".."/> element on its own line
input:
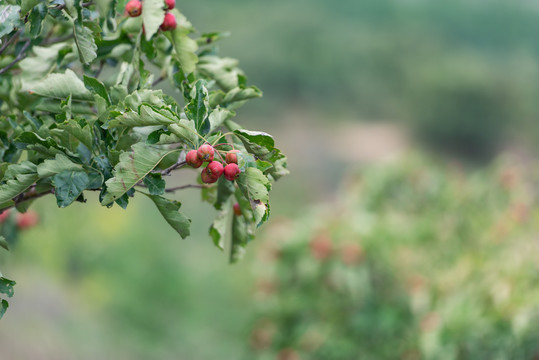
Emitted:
<point x="158" y="80"/>
<point x="31" y="194"/>
<point x="9" y="41"/>
<point x="167" y="171"/>
<point x="98" y="72"/>
<point x="63" y="6"/>
<point x="196" y="186"/>
<point x="26" y="196"/>
<point x="19" y="57"/>
<point x="57" y="39"/>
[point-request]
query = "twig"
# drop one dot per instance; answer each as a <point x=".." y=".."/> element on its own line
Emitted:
<point x="158" y="80"/>
<point x="9" y="41"/>
<point x="26" y="196"/>
<point x="101" y="65"/>
<point x="57" y="39"/>
<point x="196" y="186"/>
<point x="31" y="194"/>
<point x="165" y="172"/>
<point x="19" y="57"/>
<point x="173" y="167"/>
<point x="63" y="6"/>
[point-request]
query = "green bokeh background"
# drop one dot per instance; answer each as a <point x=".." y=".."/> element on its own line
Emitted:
<point x="348" y="84"/>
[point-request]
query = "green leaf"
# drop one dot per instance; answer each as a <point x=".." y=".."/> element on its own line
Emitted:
<point x="18" y="178"/>
<point x="69" y="185"/>
<point x="3" y="307"/>
<point x="60" y="163"/>
<point x="153" y="15"/>
<point x="6" y="286"/>
<point x="225" y="189"/>
<point x="242" y="94"/>
<point x="198" y="108"/>
<point x="37" y="66"/>
<point x="148" y="116"/>
<point x="185" y="129"/>
<point x="53" y="106"/>
<point x="279" y="168"/>
<point x="218" y="229"/>
<point x="242" y="234"/>
<point x="27" y="5"/>
<point x="3" y="243"/>
<point x="35" y="19"/>
<point x="155" y="184"/>
<point x="170" y="211"/>
<point x="60" y="86"/>
<point x="48" y="146"/>
<point x="223" y="70"/>
<point x="218" y="116"/>
<point x="9" y="18"/>
<point x="258" y="143"/>
<point x="98" y="87"/>
<point x="262" y="146"/>
<point x="144" y="96"/>
<point x="261" y="212"/>
<point x="131" y="169"/>
<point x="84" y="38"/>
<point x="83" y="134"/>
<point x="184" y="47"/>
<point x="254" y="184"/>
<point x="7" y="204"/>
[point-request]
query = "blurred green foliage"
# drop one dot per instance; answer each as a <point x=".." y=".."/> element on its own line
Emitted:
<point x="462" y="74"/>
<point x="119" y="284"/>
<point x="415" y="260"/>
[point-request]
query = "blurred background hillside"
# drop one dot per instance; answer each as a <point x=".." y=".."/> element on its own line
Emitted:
<point x="411" y="130"/>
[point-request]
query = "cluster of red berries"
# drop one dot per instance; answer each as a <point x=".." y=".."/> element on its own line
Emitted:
<point x="23" y="220"/>
<point x="322" y="248"/>
<point x="134" y="8"/>
<point x="213" y="171"/>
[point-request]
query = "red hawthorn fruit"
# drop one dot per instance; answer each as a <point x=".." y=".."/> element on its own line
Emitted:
<point x="170" y="4"/>
<point x="133" y="8"/>
<point x="27" y="220"/>
<point x="192" y="159"/>
<point x="215" y="168"/>
<point x="288" y="354"/>
<point x="169" y="23"/>
<point x="4" y="215"/>
<point x="231" y="172"/>
<point x="321" y="247"/>
<point x="232" y="157"/>
<point x="208" y="177"/>
<point x="263" y="334"/>
<point x="430" y="322"/>
<point x="351" y="254"/>
<point x="205" y="153"/>
<point x="237" y="209"/>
